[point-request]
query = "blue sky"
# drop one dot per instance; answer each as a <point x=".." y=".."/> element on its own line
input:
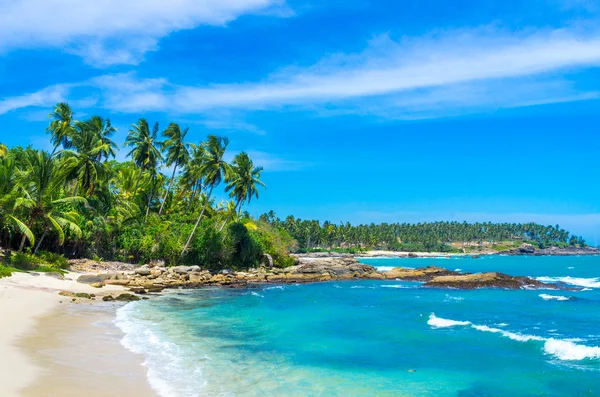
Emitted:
<point x="366" y="111"/>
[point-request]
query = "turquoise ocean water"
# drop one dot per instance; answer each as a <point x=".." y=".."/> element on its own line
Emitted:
<point x="378" y="338"/>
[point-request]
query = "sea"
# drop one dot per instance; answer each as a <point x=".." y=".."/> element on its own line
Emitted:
<point x="378" y="338"/>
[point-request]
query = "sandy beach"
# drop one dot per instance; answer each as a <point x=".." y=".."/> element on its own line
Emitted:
<point x="51" y="346"/>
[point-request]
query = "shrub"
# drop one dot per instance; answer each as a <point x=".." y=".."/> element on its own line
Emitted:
<point x="242" y="251"/>
<point x="5" y="272"/>
<point x="207" y="248"/>
<point x="54" y="260"/>
<point x="23" y="261"/>
<point x="275" y="242"/>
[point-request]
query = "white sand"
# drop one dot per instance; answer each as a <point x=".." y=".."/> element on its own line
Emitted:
<point x="23" y="299"/>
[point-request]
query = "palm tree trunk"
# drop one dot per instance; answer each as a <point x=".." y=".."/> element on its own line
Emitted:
<point x="198" y="221"/>
<point x="168" y="190"/>
<point x="22" y="245"/>
<point x="229" y="216"/>
<point x="150" y="199"/>
<point x="37" y="247"/>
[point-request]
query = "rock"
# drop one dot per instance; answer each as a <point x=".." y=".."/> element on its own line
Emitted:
<point x="156" y="263"/>
<point x="194" y="269"/>
<point x="67" y="293"/>
<point x="143" y="271"/>
<point x="117" y="282"/>
<point x="226" y="271"/>
<point x="92" y="278"/>
<point x="487" y="280"/>
<point x="180" y="269"/>
<point x="56" y="275"/>
<point x="108" y="298"/>
<point x="97" y="285"/>
<point x="84" y="295"/>
<point x="125" y="297"/>
<point x="138" y="290"/>
<point x="419" y="274"/>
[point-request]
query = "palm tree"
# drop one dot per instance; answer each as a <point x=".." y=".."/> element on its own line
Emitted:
<point x="10" y="191"/>
<point x="177" y="153"/>
<point x="42" y="201"/>
<point x="88" y="150"/>
<point x="61" y="126"/>
<point x="3" y="150"/>
<point x="213" y="169"/>
<point x="243" y="181"/>
<point x="104" y="130"/>
<point x="145" y="153"/>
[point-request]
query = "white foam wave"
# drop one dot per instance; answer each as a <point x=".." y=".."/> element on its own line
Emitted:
<point x="280" y="287"/>
<point x="384" y="269"/>
<point x="563" y="349"/>
<point x="553" y="297"/>
<point x="438" y="322"/>
<point x="567" y="350"/>
<point x="458" y="270"/>
<point x="256" y="294"/>
<point x="394" y="286"/>
<point x="162" y="358"/>
<point x="453" y="298"/>
<point x="593" y="282"/>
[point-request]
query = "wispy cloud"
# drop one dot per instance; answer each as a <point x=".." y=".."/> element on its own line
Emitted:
<point x="439" y="75"/>
<point x="43" y="98"/>
<point x="272" y="162"/>
<point x="111" y="31"/>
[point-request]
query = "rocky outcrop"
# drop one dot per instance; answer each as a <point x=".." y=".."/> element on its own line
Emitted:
<point x="487" y="280"/>
<point x="90" y="266"/>
<point x="419" y="274"/>
<point x="528" y="249"/>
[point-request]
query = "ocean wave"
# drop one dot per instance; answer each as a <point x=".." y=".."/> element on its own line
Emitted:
<point x="453" y="298"/>
<point x="563" y="349"/>
<point x="394" y="286"/>
<point x="593" y="282"/>
<point x="458" y="270"/>
<point x="280" y="287"/>
<point x="553" y="297"/>
<point x="256" y="294"/>
<point x="384" y="269"/>
<point x="163" y="359"/>
<point x="438" y="322"/>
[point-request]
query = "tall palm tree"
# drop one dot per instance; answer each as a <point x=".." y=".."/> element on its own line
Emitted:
<point x="104" y="130"/>
<point x="88" y="149"/>
<point x="43" y="201"/>
<point x="213" y="169"/>
<point x="61" y="126"/>
<point x="177" y="153"/>
<point x="10" y="192"/>
<point x="3" y="150"/>
<point x="243" y="181"/>
<point x="145" y="152"/>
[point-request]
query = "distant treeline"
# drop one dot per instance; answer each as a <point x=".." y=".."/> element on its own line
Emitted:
<point x="432" y="236"/>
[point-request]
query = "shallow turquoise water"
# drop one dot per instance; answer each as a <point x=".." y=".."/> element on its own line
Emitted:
<point x="366" y="338"/>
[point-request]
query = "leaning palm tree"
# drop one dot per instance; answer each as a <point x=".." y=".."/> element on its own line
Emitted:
<point x="104" y="130"/>
<point x="243" y="182"/>
<point x="213" y="169"/>
<point x="61" y="126"/>
<point x="177" y="153"/>
<point x="145" y="152"/>
<point x="43" y="200"/>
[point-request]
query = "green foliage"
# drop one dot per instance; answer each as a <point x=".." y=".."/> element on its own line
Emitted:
<point x="5" y="271"/>
<point x="276" y="242"/>
<point x="207" y="249"/>
<point x="24" y="261"/>
<point x="53" y="260"/>
<point x="242" y="250"/>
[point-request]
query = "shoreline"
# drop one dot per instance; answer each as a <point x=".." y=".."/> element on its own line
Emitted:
<point x="37" y="342"/>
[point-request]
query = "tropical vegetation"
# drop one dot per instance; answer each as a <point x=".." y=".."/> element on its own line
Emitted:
<point x="434" y="236"/>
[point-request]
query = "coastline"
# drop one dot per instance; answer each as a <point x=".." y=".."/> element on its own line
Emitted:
<point x="52" y="346"/>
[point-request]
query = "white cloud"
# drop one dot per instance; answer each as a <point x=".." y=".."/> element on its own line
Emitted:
<point x="46" y="97"/>
<point x="463" y="66"/>
<point x="271" y="162"/>
<point x="439" y="75"/>
<point x="112" y="31"/>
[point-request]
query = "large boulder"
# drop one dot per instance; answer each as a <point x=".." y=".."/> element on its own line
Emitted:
<point x="93" y="278"/>
<point x="143" y="271"/>
<point x="180" y="269"/>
